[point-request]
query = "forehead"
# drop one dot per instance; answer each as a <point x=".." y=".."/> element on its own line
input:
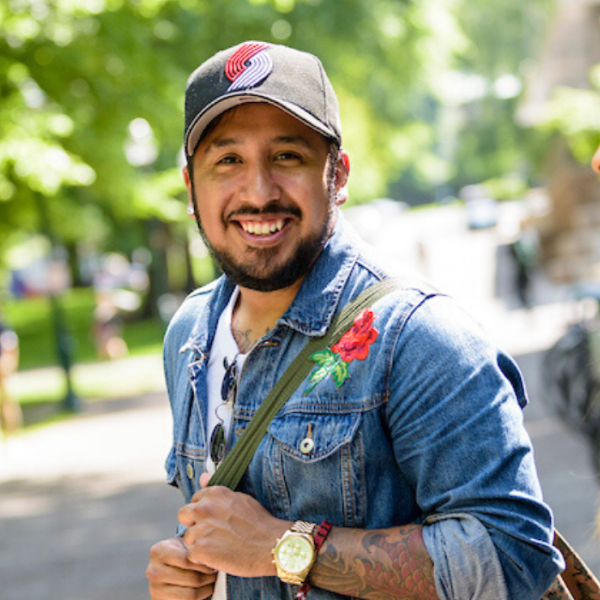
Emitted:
<point x="259" y="121"/>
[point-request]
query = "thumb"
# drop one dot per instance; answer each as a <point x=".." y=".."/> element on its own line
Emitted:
<point x="205" y="479"/>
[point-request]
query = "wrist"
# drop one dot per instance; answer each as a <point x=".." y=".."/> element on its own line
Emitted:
<point x="296" y="551"/>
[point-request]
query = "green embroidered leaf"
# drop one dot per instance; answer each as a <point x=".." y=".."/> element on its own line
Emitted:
<point x="323" y="358"/>
<point x="318" y="374"/>
<point x="340" y="373"/>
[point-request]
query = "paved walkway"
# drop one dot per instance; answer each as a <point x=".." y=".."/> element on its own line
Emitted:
<point x="82" y="501"/>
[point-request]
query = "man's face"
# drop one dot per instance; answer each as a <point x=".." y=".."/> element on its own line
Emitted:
<point x="261" y="190"/>
<point x="596" y="161"/>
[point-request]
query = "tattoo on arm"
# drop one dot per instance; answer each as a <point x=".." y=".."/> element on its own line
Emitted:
<point x="380" y="564"/>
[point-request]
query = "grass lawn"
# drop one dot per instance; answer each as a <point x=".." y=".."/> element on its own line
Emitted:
<point x="33" y="386"/>
<point x="32" y="319"/>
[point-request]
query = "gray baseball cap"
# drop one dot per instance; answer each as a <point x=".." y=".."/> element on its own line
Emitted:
<point x="292" y="80"/>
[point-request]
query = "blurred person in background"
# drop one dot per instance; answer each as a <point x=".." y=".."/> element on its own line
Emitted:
<point x="525" y="250"/>
<point x="415" y="451"/>
<point x="11" y="417"/>
<point x="107" y="328"/>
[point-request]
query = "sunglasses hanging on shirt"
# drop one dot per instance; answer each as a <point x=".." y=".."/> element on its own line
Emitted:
<point x="218" y="440"/>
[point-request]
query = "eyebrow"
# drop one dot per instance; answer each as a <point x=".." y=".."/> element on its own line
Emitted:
<point x="282" y="139"/>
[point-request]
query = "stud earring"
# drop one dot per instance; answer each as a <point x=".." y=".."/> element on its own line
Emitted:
<point x="190" y="210"/>
<point x="341" y="196"/>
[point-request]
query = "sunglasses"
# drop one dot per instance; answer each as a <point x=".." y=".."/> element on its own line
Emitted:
<point x="228" y="395"/>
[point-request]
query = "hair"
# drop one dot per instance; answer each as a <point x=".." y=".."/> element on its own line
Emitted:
<point x="333" y="156"/>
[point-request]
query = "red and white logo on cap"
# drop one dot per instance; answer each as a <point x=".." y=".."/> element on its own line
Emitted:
<point x="248" y="66"/>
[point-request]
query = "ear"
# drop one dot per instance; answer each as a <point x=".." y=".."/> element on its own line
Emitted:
<point x="186" y="179"/>
<point x="188" y="184"/>
<point x="342" y="173"/>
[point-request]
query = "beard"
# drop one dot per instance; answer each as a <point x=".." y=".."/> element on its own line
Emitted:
<point x="258" y="269"/>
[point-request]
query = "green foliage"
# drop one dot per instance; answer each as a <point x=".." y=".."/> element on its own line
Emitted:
<point x="75" y="74"/>
<point x="477" y="132"/>
<point x="85" y="84"/>
<point x="574" y="114"/>
<point x="32" y="321"/>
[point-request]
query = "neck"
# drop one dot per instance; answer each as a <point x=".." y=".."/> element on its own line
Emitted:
<point x="256" y="313"/>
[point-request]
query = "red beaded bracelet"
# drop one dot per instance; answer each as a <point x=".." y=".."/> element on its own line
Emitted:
<point x="319" y="537"/>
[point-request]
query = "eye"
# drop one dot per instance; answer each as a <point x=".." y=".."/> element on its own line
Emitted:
<point x="228" y="160"/>
<point x="285" y="156"/>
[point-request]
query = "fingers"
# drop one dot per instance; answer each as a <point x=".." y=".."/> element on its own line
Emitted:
<point x="172" y="576"/>
<point x="204" y="503"/>
<point x="230" y="531"/>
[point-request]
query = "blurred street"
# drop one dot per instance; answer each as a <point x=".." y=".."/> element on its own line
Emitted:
<point x="82" y="501"/>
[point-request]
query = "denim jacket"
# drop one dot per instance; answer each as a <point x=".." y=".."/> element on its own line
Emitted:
<point x="427" y="429"/>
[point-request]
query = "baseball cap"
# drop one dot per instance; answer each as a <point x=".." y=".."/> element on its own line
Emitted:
<point x="253" y="71"/>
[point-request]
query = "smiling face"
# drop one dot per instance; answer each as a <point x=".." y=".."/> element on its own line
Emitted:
<point x="263" y="195"/>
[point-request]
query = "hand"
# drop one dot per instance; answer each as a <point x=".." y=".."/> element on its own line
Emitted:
<point x="173" y="577"/>
<point x="231" y="532"/>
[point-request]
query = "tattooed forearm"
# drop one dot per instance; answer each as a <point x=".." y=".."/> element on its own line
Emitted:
<point x="376" y="565"/>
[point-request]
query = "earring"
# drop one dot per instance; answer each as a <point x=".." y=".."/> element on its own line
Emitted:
<point x="341" y="196"/>
<point x="190" y="210"/>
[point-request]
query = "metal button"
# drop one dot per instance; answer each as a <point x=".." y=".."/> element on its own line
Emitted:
<point x="307" y="445"/>
<point x="190" y="471"/>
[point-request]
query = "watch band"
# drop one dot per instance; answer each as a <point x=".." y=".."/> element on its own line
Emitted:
<point x="319" y="537"/>
<point x="304" y="527"/>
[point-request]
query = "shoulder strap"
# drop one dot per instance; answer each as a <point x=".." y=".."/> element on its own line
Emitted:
<point x="236" y="462"/>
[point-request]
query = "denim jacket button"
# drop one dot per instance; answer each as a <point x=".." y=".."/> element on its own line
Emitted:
<point x="190" y="471"/>
<point x="306" y="446"/>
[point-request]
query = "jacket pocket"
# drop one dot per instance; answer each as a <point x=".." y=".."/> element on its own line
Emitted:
<point x="313" y="437"/>
<point x="312" y="467"/>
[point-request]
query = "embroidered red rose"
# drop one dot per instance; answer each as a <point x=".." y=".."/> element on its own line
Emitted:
<point x="356" y="341"/>
<point x="333" y="362"/>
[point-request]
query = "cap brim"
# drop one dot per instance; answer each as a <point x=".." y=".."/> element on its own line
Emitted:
<point x="221" y="105"/>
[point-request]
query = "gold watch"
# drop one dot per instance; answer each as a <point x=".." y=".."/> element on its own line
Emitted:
<point x="294" y="554"/>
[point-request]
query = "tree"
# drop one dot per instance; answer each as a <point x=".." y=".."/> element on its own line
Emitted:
<point x="92" y="97"/>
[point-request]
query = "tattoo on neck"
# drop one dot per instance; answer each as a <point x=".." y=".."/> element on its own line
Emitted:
<point x="245" y="339"/>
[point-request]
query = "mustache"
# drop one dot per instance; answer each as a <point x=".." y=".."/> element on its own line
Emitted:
<point x="273" y="208"/>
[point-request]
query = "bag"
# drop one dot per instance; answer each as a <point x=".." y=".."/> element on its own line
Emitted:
<point x="576" y="582"/>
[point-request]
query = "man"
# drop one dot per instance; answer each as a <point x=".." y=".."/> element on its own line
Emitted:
<point x="416" y="453"/>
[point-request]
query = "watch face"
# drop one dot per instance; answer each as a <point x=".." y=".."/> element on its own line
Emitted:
<point x="295" y="554"/>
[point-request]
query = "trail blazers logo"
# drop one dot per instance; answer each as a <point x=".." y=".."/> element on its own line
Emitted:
<point x="248" y="66"/>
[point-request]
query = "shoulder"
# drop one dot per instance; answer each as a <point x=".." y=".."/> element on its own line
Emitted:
<point x="186" y="316"/>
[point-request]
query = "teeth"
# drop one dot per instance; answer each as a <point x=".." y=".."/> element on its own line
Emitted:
<point x="256" y="228"/>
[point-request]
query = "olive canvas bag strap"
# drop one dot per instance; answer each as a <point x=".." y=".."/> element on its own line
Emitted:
<point x="233" y="467"/>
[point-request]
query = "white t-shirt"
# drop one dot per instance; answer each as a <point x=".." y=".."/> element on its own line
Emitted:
<point x="224" y="347"/>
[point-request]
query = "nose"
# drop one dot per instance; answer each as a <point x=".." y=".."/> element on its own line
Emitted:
<point x="259" y="188"/>
<point x="596" y="161"/>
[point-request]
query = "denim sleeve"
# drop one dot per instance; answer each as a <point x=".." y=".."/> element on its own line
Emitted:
<point x="457" y="429"/>
<point x="453" y="542"/>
